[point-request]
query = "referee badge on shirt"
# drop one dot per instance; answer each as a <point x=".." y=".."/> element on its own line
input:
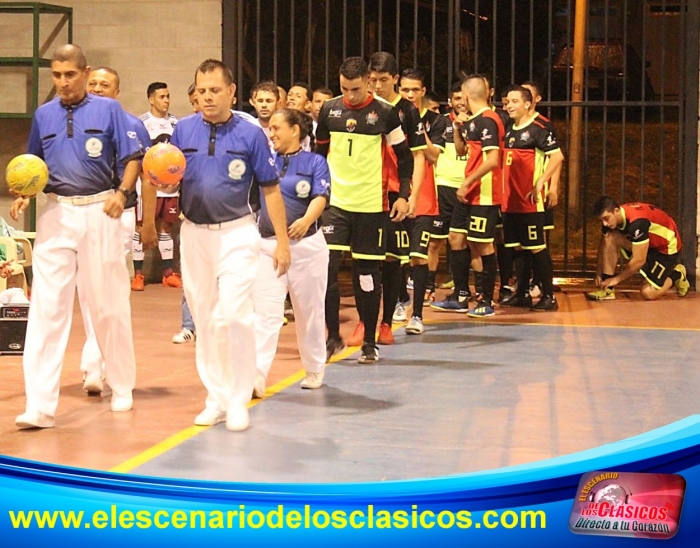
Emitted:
<point x="303" y="188"/>
<point x="236" y="169"/>
<point x="93" y="146"/>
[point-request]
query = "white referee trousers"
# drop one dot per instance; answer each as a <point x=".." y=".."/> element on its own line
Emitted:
<point x="77" y="245"/>
<point x="91" y="362"/>
<point x="218" y="270"/>
<point x="306" y="283"/>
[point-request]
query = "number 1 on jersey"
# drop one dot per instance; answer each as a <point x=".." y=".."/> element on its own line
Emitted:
<point x="349" y="147"/>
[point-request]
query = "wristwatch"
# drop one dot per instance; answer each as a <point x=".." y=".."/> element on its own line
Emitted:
<point x="124" y="191"/>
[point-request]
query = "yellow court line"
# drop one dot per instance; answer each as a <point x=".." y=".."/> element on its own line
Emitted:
<point x="192" y="431"/>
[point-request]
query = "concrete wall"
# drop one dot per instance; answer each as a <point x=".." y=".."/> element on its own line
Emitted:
<point x="145" y="41"/>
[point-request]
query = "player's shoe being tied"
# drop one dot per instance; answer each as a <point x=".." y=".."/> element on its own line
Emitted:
<point x="357" y="336"/>
<point x="415" y="326"/>
<point x="184" y="336"/>
<point x="138" y="283"/>
<point x="173" y="280"/>
<point x="607" y="294"/>
<point x="333" y="347"/>
<point x="400" y="315"/>
<point x="547" y="303"/>
<point x="453" y="303"/>
<point x="369" y="354"/>
<point x="313" y="380"/>
<point x="482" y="309"/>
<point x="385" y="335"/>
<point x="682" y="284"/>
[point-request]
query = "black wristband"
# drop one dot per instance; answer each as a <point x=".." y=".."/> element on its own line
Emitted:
<point x="124" y="191"/>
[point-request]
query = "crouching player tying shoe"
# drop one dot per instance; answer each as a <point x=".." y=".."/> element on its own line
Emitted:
<point x="529" y="147"/>
<point x="648" y="239"/>
<point x="305" y="184"/>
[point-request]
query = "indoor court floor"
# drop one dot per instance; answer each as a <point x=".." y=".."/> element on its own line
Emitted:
<point x="465" y="396"/>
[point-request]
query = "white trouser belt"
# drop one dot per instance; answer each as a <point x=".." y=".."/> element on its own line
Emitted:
<point x="226" y="224"/>
<point x="81" y="200"/>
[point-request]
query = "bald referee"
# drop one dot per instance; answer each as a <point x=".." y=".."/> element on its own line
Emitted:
<point x="79" y="237"/>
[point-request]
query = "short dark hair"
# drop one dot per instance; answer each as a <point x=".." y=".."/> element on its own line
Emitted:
<point x="295" y="117"/>
<point x="70" y="53"/>
<point x="305" y="86"/>
<point x="524" y="92"/>
<point x="353" y="68"/>
<point x="431" y="95"/>
<point x="603" y="204"/>
<point x="413" y="74"/>
<point x="456" y="88"/>
<point x="267" y="85"/>
<point x="155" y="86"/>
<point x="383" y="61"/>
<point x="535" y="85"/>
<point x="324" y="91"/>
<point x="210" y="65"/>
<point x="109" y="70"/>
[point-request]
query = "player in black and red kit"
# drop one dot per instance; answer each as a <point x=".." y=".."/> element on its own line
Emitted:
<point x="532" y="154"/>
<point x="648" y="238"/>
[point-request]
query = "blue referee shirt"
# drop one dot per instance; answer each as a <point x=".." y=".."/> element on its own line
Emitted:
<point x="82" y="143"/>
<point x="225" y="165"/>
<point x="303" y="177"/>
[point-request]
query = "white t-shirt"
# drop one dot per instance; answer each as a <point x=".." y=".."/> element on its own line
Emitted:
<point x="160" y="130"/>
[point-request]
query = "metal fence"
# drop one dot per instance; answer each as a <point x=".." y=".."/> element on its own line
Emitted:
<point x="632" y="132"/>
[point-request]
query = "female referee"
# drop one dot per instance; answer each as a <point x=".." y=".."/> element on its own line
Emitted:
<point x="305" y="183"/>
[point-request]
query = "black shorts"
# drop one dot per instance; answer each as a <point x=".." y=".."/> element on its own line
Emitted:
<point x="524" y="230"/>
<point x="478" y="222"/>
<point x="447" y="200"/>
<point x="364" y="234"/>
<point x="424" y="228"/>
<point x="397" y="234"/>
<point x="658" y="266"/>
<point x="549" y="219"/>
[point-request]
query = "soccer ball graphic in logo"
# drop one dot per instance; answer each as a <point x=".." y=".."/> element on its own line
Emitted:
<point x="164" y="164"/>
<point x="27" y="175"/>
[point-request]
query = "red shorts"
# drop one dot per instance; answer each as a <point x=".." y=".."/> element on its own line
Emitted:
<point x="167" y="209"/>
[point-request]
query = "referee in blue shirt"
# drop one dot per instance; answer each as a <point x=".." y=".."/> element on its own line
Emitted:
<point x="228" y="164"/>
<point x="79" y="237"/>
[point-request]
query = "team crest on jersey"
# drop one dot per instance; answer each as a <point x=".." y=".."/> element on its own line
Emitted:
<point x="511" y="141"/>
<point x="335" y="113"/>
<point x="525" y="136"/>
<point x="401" y="115"/>
<point x="93" y="146"/>
<point x="236" y="169"/>
<point x="372" y="118"/>
<point x="303" y="188"/>
<point x="351" y="124"/>
<point x="472" y="127"/>
<point x="419" y="129"/>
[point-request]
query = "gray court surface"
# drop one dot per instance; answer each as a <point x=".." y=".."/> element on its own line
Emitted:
<point x="462" y="397"/>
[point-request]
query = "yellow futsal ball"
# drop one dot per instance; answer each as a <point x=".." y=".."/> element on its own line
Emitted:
<point x="27" y="175"/>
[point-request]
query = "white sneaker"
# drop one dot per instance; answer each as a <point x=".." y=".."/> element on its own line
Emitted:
<point x="259" y="386"/>
<point x="184" y="336"/>
<point x="237" y="418"/>
<point x="122" y="403"/>
<point x="415" y="326"/>
<point x="92" y="384"/>
<point x="313" y="380"/>
<point x="32" y="419"/>
<point x="399" y="313"/>
<point x="210" y="417"/>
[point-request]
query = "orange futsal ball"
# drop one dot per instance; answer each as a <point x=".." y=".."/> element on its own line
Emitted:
<point x="164" y="164"/>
